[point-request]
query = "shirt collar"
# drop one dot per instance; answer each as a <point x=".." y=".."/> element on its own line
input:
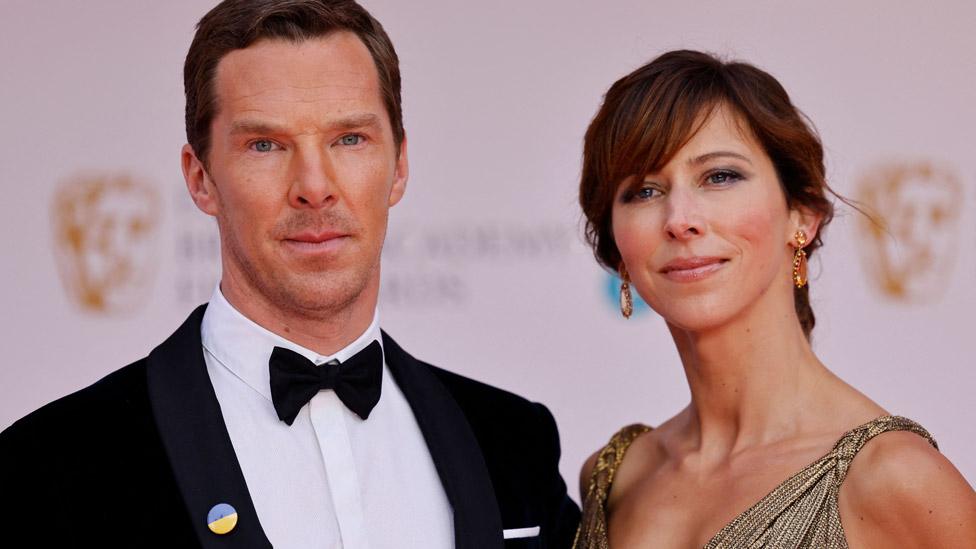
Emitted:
<point x="244" y="347"/>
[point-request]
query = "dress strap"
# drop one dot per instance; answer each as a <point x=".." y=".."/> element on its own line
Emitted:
<point x="592" y="532"/>
<point x="852" y="441"/>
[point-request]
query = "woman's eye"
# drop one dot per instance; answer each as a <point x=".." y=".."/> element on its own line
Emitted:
<point x="262" y="145"/>
<point x="350" y="140"/>
<point x="723" y="177"/>
<point x="643" y="193"/>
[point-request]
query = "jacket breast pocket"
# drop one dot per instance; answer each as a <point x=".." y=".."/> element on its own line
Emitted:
<point x="523" y="538"/>
<point x="524" y="543"/>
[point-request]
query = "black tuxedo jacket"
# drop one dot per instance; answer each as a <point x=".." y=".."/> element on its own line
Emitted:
<point x="139" y="458"/>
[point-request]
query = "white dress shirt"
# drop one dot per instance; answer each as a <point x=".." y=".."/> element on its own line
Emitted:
<point x="331" y="479"/>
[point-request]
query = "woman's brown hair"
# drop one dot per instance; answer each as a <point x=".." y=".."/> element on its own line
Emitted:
<point x="648" y="115"/>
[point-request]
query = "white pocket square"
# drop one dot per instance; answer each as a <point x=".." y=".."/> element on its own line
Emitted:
<point x="515" y="533"/>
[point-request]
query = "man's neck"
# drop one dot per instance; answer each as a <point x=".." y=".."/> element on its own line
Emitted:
<point x="324" y="332"/>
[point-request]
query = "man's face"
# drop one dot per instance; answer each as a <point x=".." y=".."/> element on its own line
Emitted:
<point x="303" y="169"/>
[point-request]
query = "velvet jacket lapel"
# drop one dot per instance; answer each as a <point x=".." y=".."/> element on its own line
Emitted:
<point x="454" y="449"/>
<point x="192" y="429"/>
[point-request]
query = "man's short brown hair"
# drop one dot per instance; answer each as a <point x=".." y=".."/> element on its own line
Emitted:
<point x="237" y="24"/>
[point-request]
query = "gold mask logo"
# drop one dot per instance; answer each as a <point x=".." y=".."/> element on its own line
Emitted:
<point x="104" y="229"/>
<point x="910" y="255"/>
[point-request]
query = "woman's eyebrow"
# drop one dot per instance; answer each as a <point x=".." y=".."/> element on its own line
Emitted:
<point x="717" y="154"/>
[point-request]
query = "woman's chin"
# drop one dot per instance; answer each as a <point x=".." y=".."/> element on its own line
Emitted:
<point x="696" y="321"/>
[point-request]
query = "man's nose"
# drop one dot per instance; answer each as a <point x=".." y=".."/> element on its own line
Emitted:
<point x="313" y="178"/>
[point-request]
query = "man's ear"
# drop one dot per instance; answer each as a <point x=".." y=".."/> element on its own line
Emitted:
<point x="806" y="220"/>
<point x="401" y="173"/>
<point x="198" y="182"/>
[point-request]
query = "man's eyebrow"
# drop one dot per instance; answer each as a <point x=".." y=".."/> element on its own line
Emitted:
<point x="717" y="154"/>
<point x="353" y="121"/>
<point x="254" y="126"/>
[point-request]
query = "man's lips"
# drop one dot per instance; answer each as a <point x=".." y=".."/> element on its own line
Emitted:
<point x="312" y="237"/>
<point x="312" y="241"/>
<point x="688" y="269"/>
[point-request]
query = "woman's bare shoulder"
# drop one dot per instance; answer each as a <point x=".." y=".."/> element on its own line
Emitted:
<point x="901" y="491"/>
<point x="626" y="438"/>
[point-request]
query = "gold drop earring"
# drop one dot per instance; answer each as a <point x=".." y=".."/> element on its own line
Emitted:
<point x="626" y="299"/>
<point x="800" y="260"/>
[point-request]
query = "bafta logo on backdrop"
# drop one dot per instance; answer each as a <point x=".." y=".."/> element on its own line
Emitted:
<point x="104" y="230"/>
<point x="909" y="255"/>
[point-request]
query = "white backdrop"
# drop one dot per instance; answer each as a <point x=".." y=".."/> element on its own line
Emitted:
<point x="485" y="272"/>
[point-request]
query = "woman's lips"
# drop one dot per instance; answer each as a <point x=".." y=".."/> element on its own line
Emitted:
<point x="691" y="269"/>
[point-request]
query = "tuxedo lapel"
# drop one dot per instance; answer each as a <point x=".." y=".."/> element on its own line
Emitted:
<point x="192" y="429"/>
<point x="454" y="449"/>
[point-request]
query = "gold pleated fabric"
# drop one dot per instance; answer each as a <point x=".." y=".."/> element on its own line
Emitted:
<point x="800" y="513"/>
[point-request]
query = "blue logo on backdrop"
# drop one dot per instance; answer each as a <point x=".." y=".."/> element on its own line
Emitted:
<point x="612" y="287"/>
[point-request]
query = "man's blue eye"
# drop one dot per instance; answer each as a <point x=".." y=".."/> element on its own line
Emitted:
<point x="263" y="145"/>
<point x="351" y="139"/>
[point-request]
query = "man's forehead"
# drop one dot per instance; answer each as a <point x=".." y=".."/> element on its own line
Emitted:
<point x="333" y="67"/>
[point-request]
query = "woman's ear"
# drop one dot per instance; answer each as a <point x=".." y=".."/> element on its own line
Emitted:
<point x="806" y="220"/>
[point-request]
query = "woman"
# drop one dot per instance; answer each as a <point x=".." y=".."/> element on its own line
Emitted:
<point x="704" y="188"/>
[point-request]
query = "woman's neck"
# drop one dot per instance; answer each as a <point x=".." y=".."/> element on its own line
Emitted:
<point x="753" y="380"/>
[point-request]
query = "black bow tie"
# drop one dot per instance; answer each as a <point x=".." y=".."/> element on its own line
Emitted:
<point x="296" y="379"/>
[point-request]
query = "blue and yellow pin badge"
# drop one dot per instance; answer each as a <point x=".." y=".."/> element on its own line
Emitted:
<point x="222" y="518"/>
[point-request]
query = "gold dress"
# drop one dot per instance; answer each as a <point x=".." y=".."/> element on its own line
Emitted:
<point x="801" y="512"/>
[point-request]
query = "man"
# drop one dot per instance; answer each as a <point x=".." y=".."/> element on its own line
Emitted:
<point x="279" y="413"/>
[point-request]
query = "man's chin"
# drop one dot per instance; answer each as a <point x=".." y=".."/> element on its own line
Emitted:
<point x="325" y="293"/>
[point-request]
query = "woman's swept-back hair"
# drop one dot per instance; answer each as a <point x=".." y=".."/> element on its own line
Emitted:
<point x="648" y="115"/>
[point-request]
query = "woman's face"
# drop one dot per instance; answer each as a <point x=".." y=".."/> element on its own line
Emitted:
<point x="708" y="236"/>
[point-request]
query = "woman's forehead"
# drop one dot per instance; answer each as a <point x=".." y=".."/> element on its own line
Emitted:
<point x="714" y="128"/>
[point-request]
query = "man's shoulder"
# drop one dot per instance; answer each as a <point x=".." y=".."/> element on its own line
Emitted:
<point x="495" y="413"/>
<point x="471" y="392"/>
<point x="475" y="398"/>
<point x="85" y="410"/>
<point x="91" y="452"/>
